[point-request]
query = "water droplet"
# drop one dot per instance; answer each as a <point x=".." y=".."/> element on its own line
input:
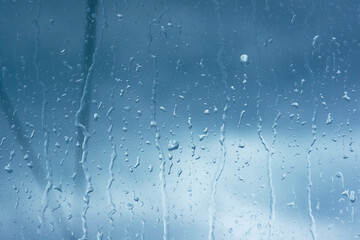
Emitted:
<point x="315" y="39"/>
<point x="8" y="168"/>
<point x="352" y="196"/>
<point x="130" y="206"/>
<point x="96" y="116"/>
<point x="295" y="104"/>
<point x="173" y="145"/>
<point x="346" y="97"/>
<point x="329" y="119"/>
<point x="244" y="59"/>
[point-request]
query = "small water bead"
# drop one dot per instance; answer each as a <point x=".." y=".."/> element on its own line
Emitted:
<point x="244" y="59"/>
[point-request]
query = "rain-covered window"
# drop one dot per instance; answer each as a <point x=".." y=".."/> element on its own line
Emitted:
<point x="187" y="119"/>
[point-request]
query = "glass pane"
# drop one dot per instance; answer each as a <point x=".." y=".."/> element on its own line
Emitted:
<point x="179" y="119"/>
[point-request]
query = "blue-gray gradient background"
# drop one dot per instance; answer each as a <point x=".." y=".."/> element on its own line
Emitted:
<point x="271" y="151"/>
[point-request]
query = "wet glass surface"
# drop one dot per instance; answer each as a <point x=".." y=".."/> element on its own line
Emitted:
<point x="179" y="119"/>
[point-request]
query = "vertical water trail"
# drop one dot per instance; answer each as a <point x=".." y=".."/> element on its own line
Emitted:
<point x="48" y="187"/>
<point x="83" y="162"/>
<point x="274" y="126"/>
<point x="142" y="236"/>
<point x="164" y="198"/>
<point x="84" y="115"/>
<point x="193" y="146"/>
<point x="88" y="59"/>
<point x="127" y="237"/>
<point x="152" y="22"/>
<point x="192" y="142"/>
<point x="270" y="152"/>
<point x="212" y="206"/>
<point x="49" y="184"/>
<point x="312" y="225"/>
<point x="270" y="178"/>
<point x="81" y="123"/>
<point x="113" y="156"/>
<point x="241" y="117"/>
